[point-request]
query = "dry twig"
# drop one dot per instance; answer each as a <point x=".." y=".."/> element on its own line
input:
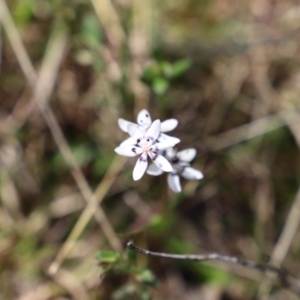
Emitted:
<point x="285" y="278"/>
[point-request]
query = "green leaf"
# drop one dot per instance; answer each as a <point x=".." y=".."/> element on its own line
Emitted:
<point x="151" y="72"/>
<point x="23" y="11"/>
<point x="107" y="256"/>
<point x="122" y="268"/>
<point x="131" y="255"/>
<point x="167" y="69"/>
<point x="91" y="34"/>
<point x="180" y="67"/>
<point x="125" y="292"/>
<point x="145" y="276"/>
<point x="145" y="294"/>
<point x="160" y="85"/>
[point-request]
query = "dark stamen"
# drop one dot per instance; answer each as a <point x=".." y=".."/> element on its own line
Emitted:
<point x="175" y="160"/>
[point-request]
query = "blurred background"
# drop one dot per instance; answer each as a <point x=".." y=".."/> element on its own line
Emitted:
<point x="229" y="71"/>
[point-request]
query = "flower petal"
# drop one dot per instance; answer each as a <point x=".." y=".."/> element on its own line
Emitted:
<point x="140" y="167"/>
<point x="174" y="182"/>
<point x="162" y="146"/>
<point x="166" y="138"/>
<point x="123" y="124"/>
<point x="154" y="170"/>
<point x="128" y="150"/>
<point x="170" y="153"/>
<point x="168" y="125"/>
<point x="161" y="162"/>
<point x="144" y="118"/>
<point x="153" y="131"/>
<point x="187" y="155"/>
<point x="191" y="173"/>
<point x="127" y="142"/>
<point x="135" y="131"/>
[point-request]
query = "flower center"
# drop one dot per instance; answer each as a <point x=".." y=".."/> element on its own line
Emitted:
<point x="146" y="144"/>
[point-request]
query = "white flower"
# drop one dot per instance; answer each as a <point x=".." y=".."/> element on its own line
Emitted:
<point x="144" y="144"/>
<point x="180" y="162"/>
<point x="144" y="121"/>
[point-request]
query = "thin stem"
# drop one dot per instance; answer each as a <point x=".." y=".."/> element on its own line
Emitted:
<point x="87" y="213"/>
<point x="285" y="278"/>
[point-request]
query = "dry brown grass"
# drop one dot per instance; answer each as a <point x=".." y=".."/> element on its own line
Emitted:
<point x="63" y="193"/>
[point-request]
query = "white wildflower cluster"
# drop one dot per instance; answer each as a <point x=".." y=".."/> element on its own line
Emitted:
<point x="148" y="138"/>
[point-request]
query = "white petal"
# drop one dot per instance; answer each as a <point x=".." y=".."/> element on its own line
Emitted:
<point x="191" y="174"/>
<point x="163" y="146"/>
<point x="168" y="125"/>
<point x="154" y="170"/>
<point x="170" y="153"/>
<point x="140" y="167"/>
<point x="154" y="131"/>
<point x="166" y="138"/>
<point x="123" y="124"/>
<point x="161" y="162"/>
<point x="128" y="150"/>
<point x="134" y="131"/>
<point x="144" y="118"/>
<point x="127" y="142"/>
<point x="174" y="182"/>
<point x="187" y="155"/>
